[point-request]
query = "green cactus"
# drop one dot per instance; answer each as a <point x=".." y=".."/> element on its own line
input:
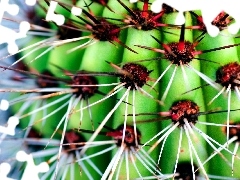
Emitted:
<point x="145" y="68"/>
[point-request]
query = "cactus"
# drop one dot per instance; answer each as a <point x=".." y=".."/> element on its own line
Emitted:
<point x="121" y="92"/>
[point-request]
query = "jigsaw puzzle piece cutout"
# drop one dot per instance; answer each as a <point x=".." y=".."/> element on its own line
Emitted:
<point x="31" y="169"/>
<point x="51" y="16"/>
<point x="9" y="36"/>
<point x="12" y="9"/>
<point x="58" y="18"/>
<point x="13" y="121"/>
<point x="4" y="170"/>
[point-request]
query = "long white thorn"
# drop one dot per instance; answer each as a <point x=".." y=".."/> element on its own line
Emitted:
<point x="81" y="114"/>
<point x="44" y="52"/>
<point x="158" y="134"/>
<point x="160" y="154"/>
<point x="45" y="112"/>
<point x="233" y="157"/>
<point x="65" y="170"/>
<point x="205" y="78"/>
<point x="166" y="134"/>
<point x="21" y="98"/>
<point x="205" y="137"/>
<point x="218" y="150"/>
<point x="137" y="155"/>
<point x="185" y="76"/>
<point x="237" y="92"/>
<point x="228" y="110"/>
<point x="147" y="156"/>
<point x="222" y="177"/>
<point x="113" y="164"/>
<point x="39" y="44"/>
<point x="101" y="100"/>
<point x="26" y="55"/>
<point x="32" y="118"/>
<point x="119" y="167"/>
<point x="53" y="112"/>
<point x="95" y="85"/>
<point x="195" y="153"/>
<point x="105" y="120"/>
<point x="127" y="163"/>
<point x="169" y="85"/>
<point x="82" y="165"/>
<point x="148" y="162"/>
<point x="179" y="150"/>
<point x="96" y="154"/>
<point x="215" y="124"/>
<point x="141" y="90"/>
<point x="84" y="45"/>
<point x="63" y="133"/>
<point x="208" y="137"/>
<point x="160" y="77"/>
<point x="134" y="164"/>
<point x="125" y="120"/>
<point x="46" y="106"/>
<point x="89" y="161"/>
<point x="134" y="118"/>
<point x="218" y="94"/>
<point x="61" y="42"/>
<point x="190" y="151"/>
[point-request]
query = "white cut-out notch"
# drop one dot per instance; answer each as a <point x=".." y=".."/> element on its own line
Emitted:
<point x="31" y="169"/>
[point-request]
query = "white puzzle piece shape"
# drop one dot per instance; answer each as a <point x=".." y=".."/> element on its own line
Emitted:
<point x="31" y="171"/>
<point x="51" y="16"/>
<point x="4" y="170"/>
<point x="9" y="36"/>
<point x="13" y="121"/>
<point x="12" y="9"/>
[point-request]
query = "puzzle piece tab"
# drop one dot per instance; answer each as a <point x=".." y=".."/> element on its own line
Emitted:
<point x="51" y="16"/>
<point x="4" y="170"/>
<point x="11" y="125"/>
<point x="10" y="36"/>
<point x="13" y="121"/>
<point x="58" y="18"/>
<point x="12" y="9"/>
<point x="31" y="171"/>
